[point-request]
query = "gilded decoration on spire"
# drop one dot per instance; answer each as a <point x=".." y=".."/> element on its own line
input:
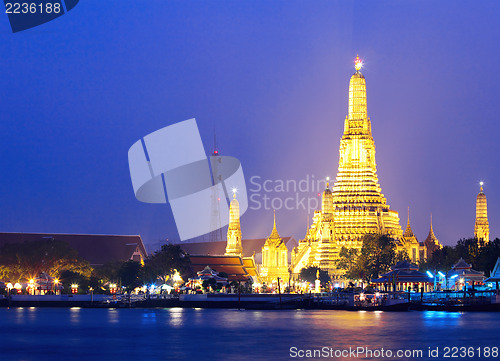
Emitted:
<point x="358" y="63"/>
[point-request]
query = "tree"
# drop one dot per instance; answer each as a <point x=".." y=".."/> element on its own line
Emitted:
<point x="481" y="255"/>
<point x="209" y="283"/>
<point x="348" y="261"/>
<point x="23" y="261"/>
<point x="109" y="272"/>
<point x="377" y="255"/>
<point x="167" y="260"/>
<point x="309" y="274"/>
<point x="131" y="275"/>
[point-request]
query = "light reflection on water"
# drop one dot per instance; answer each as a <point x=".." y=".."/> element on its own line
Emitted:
<point x="208" y="334"/>
<point x="74" y="316"/>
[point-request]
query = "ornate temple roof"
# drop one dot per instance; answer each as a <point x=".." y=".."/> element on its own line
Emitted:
<point x="431" y="237"/>
<point x="274" y="238"/>
<point x="495" y="274"/>
<point x="461" y="264"/>
<point x="404" y="265"/>
<point x="464" y="270"/>
<point x="408" y="232"/>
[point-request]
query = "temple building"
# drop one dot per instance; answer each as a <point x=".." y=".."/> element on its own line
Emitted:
<point x="481" y="228"/>
<point x="274" y="258"/>
<point x="409" y="243"/>
<point x="234" y="247"/>
<point x="355" y="206"/>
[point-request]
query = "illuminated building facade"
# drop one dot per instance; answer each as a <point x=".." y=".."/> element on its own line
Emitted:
<point x="274" y="258"/>
<point x="482" y="227"/>
<point x="355" y="206"/>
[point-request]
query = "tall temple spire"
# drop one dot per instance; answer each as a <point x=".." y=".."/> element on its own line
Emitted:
<point x="234" y="247"/>
<point x="274" y="232"/>
<point x="355" y="205"/>
<point x="431" y="232"/>
<point x="358" y="202"/>
<point x="408" y="232"/>
<point x="431" y="242"/>
<point x="482" y="227"/>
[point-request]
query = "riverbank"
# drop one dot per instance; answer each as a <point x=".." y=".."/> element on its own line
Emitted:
<point x="335" y="301"/>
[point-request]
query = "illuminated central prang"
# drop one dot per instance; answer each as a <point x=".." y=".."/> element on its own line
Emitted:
<point x="355" y="206"/>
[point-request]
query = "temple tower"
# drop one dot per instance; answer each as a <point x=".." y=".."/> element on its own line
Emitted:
<point x="482" y="227"/>
<point x="359" y="205"/>
<point x="274" y="258"/>
<point x="326" y="252"/>
<point x="355" y="206"/>
<point x="234" y="247"/>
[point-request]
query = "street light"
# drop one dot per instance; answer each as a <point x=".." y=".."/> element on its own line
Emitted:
<point x="56" y="282"/>
<point x="9" y="290"/>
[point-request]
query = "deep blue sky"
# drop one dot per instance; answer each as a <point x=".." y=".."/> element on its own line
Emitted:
<point x="272" y="77"/>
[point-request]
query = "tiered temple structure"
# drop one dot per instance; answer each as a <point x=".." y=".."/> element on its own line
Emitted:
<point x="482" y="227"/>
<point x="234" y="247"/>
<point x="274" y="259"/>
<point x="355" y="206"/>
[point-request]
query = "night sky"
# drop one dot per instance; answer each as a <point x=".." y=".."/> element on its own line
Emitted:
<point x="272" y="78"/>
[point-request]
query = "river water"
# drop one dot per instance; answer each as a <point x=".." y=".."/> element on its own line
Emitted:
<point x="220" y="334"/>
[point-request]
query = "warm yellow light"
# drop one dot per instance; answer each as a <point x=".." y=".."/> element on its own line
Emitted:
<point x="9" y="286"/>
<point x="18" y="286"/>
<point x="112" y="285"/>
<point x="74" y="285"/>
<point x="358" y="63"/>
<point x="56" y="281"/>
<point x="176" y="277"/>
<point x="32" y="281"/>
<point x="481" y="183"/>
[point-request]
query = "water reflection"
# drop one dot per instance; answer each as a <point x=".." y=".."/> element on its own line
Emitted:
<point x="74" y="315"/>
<point x="176" y="316"/>
<point x="441" y="319"/>
<point x="113" y="314"/>
<point x="220" y="334"/>
<point x="149" y="318"/>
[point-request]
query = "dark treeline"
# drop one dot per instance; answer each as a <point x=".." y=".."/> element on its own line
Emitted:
<point x="20" y="262"/>
<point x="482" y="255"/>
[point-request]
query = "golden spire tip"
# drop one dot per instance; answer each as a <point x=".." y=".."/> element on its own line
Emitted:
<point x="358" y="63"/>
